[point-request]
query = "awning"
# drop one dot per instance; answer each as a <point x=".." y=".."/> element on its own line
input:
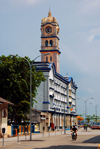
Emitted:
<point x="3" y="101"/>
<point x="80" y="118"/>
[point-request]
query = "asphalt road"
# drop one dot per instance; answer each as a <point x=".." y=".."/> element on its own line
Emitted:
<point x="85" y="140"/>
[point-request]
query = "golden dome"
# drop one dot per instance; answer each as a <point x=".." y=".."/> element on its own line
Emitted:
<point x="49" y="18"/>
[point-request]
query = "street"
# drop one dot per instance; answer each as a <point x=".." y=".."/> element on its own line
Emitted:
<point x="85" y="140"/>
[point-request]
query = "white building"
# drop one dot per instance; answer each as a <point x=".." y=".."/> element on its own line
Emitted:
<point x="57" y="96"/>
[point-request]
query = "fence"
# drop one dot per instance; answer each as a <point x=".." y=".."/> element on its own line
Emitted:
<point x="22" y="129"/>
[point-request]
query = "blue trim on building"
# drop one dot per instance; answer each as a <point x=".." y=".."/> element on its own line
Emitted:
<point x="52" y="23"/>
<point x="57" y="99"/>
<point x="51" y="96"/>
<point x="51" y="80"/>
<point x="51" y="88"/>
<point x="73" y="98"/>
<point x="51" y="37"/>
<point x="43" y="69"/>
<point x="46" y="102"/>
<point x="63" y="87"/>
<point x="47" y="67"/>
<point x="57" y="91"/>
<point x="56" y="83"/>
<point x="50" y="51"/>
<point x="70" y="96"/>
<point x="63" y="94"/>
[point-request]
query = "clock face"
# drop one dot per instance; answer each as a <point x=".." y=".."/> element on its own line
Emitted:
<point x="48" y="29"/>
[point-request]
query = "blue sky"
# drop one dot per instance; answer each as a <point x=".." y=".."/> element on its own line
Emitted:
<point x="79" y="22"/>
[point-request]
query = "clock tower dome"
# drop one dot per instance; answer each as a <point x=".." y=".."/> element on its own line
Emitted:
<point x="50" y="40"/>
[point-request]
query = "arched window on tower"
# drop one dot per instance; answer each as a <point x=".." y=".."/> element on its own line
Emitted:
<point x="46" y="59"/>
<point x="46" y="43"/>
<point x="51" y="43"/>
<point x="51" y="58"/>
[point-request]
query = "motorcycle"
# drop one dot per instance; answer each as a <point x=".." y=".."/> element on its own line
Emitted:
<point x="74" y="135"/>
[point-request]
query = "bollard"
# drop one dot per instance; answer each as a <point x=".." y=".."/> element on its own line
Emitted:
<point x="3" y="131"/>
<point x="49" y="131"/>
<point x="43" y="131"/>
<point x="18" y="135"/>
<point x="61" y="130"/>
<point x="16" y="132"/>
<point x="25" y="132"/>
<point x="55" y="130"/>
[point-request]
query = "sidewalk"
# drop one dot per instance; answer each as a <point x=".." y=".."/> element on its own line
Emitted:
<point x="41" y="136"/>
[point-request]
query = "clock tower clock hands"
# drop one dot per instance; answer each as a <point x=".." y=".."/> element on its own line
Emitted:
<point x="48" y="29"/>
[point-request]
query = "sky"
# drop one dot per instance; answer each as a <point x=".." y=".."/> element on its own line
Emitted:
<point x="79" y="22"/>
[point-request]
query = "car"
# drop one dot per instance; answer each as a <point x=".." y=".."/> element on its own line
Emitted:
<point x="95" y="127"/>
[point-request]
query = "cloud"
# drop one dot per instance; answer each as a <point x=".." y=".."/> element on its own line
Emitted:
<point x="26" y="2"/>
<point x="31" y="2"/>
<point x="90" y="90"/>
<point x="72" y="58"/>
<point x="91" y="38"/>
<point x="95" y="34"/>
<point x="90" y="6"/>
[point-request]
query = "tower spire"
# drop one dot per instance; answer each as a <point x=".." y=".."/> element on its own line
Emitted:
<point x="49" y="14"/>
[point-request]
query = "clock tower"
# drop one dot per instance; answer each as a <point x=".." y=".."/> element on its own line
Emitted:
<point x="50" y="40"/>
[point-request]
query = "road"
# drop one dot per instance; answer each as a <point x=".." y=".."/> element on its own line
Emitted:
<point x="85" y="140"/>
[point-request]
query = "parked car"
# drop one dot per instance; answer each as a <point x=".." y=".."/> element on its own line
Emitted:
<point x="95" y="127"/>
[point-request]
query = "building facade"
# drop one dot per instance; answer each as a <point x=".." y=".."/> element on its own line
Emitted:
<point x="57" y="95"/>
<point x="4" y="114"/>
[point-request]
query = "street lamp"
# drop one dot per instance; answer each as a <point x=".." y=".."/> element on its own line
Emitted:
<point x="30" y="65"/>
<point x="85" y="105"/>
<point x="64" y="120"/>
<point x="96" y="110"/>
<point x="55" y="119"/>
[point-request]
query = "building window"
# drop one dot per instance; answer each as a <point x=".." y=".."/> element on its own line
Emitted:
<point x="50" y="58"/>
<point x="46" y="59"/>
<point x="46" y="43"/>
<point x="51" y="43"/>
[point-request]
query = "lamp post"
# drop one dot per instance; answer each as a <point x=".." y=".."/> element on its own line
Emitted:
<point x="96" y="110"/>
<point x="55" y="119"/>
<point x="30" y="65"/>
<point x="64" y="119"/>
<point x="85" y="105"/>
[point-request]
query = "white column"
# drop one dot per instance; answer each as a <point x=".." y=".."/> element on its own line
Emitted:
<point x="68" y="110"/>
<point x="75" y="103"/>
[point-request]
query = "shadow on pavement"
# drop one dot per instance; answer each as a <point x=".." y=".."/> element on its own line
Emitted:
<point x="31" y="140"/>
<point x="69" y="147"/>
<point x="95" y="139"/>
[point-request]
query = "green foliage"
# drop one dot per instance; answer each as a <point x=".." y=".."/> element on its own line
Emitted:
<point x="88" y="118"/>
<point x="93" y="118"/>
<point x="15" y="84"/>
<point x="81" y="115"/>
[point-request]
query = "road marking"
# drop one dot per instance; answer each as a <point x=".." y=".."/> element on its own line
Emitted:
<point x="99" y="146"/>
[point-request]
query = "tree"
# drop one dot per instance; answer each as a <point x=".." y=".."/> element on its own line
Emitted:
<point x="93" y="117"/>
<point x="15" y="84"/>
<point x="88" y="118"/>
